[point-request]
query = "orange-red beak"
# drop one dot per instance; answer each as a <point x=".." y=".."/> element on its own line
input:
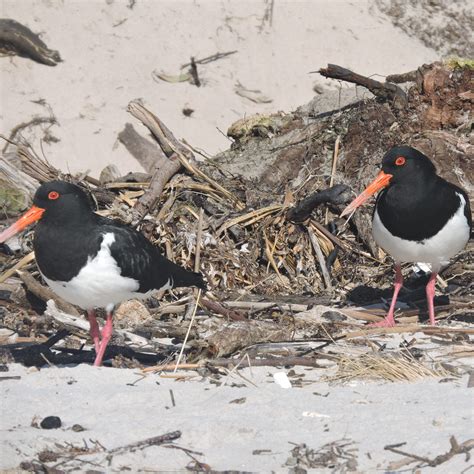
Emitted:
<point x="381" y="181"/>
<point x="24" y="221"/>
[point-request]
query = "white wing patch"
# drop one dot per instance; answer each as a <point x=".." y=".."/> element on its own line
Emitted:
<point x="99" y="284"/>
<point x="436" y="250"/>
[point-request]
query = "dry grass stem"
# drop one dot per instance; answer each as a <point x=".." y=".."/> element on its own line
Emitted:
<point x="390" y="367"/>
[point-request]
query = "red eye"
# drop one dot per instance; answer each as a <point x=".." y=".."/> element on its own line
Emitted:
<point x="53" y="195"/>
<point x="400" y="161"/>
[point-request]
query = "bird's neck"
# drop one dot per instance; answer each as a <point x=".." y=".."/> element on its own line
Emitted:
<point x="61" y="221"/>
<point x="410" y="194"/>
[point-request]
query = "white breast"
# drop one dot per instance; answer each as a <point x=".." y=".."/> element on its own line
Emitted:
<point x="436" y="250"/>
<point x="99" y="283"/>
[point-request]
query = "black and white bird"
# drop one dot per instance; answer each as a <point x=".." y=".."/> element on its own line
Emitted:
<point x="91" y="261"/>
<point x="418" y="217"/>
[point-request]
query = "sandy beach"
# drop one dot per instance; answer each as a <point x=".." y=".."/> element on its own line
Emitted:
<point x="247" y="424"/>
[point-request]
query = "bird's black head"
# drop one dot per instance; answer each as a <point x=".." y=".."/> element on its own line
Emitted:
<point x="404" y="163"/>
<point x="61" y="200"/>
<point x="58" y="202"/>
<point x="401" y="164"/>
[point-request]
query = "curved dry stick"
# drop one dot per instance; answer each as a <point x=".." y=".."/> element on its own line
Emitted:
<point x="167" y="167"/>
<point x="175" y="151"/>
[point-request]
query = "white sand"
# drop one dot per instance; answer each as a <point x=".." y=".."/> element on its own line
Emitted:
<point x="106" y="66"/>
<point x="371" y="415"/>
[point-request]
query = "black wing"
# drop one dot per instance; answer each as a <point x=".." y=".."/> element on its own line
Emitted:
<point x="142" y="261"/>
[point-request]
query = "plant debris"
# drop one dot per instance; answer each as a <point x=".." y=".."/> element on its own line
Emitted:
<point x="290" y="282"/>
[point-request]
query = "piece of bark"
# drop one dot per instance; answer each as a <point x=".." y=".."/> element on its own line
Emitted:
<point x="383" y="91"/>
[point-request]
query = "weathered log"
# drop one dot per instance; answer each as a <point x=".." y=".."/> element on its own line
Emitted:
<point x="16" y="38"/>
<point x="383" y="91"/>
<point x="338" y="194"/>
<point x="145" y="152"/>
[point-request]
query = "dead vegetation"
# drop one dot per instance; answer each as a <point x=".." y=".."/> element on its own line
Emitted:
<point x="261" y="222"/>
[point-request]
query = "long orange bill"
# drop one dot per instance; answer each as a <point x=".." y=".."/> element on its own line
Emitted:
<point x="380" y="182"/>
<point x="33" y="215"/>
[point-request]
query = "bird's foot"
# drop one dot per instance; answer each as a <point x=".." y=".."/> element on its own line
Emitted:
<point x="386" y="323"/>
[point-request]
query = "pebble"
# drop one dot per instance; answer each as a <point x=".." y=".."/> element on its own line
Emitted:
<point x="51" y="422"/>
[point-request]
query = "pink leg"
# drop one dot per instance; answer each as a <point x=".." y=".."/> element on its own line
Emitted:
<point x="94" y="329"/>
<point x="389" y="320"/>
<point x="106" y="335"/>
<point x="430" y="293"/>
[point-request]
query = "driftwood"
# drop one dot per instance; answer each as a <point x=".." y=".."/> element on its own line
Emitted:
<point x="16" y="38"/>
<point x="167" y="163"/>
<point x="384" y="91"/>
<point x="338" y="194"/>
<point x="154" y="441"/>
<point x="177" y="156"/>
<point x="145" y="152"/>
<point x="402" y="78"/>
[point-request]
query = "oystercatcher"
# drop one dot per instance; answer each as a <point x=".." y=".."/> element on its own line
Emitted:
<point x="91" y="261"/>
<point x="418" y="217"/>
